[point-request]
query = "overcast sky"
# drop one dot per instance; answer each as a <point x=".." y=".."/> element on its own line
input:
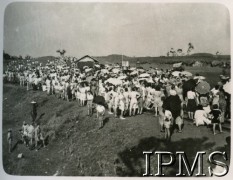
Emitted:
<point x="96" y="29"/>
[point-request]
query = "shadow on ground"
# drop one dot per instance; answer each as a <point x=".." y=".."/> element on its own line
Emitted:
<point x="131" y="161"/>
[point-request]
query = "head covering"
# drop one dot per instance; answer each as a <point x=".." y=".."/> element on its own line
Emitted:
<point x="33" y="102"/>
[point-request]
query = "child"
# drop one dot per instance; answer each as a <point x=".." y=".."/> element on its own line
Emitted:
<point x="90" y="98"/>
<point x="216" y="113"/>
<point x="179" y="122"/>
<point x="38" y="136"/>
<point x="10" y="139"/>
<point x="167" y="124"/>
<point x="24" y="132"/>
<point x="100" y="114"/>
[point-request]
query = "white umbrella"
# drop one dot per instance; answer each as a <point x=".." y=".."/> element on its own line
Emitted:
<point x="140" y="70"/>
<point x="150" y="81"/>
<point x="132" y="68"/>
<point x="122" y="77"/>
<point x="186" y="73"/>
<point x="144" y="75"/>
<point x="104" y="71"/>
<point x="88" y="70"/>
<point x="133" y="73"/>
<point x="116" y="66"/>
<point x="227" y="87"/>
<point x="115" y="70"/>
<point x="114" y="81"/>
<point x="176" y="73"/>
<point x="199" y="77"/>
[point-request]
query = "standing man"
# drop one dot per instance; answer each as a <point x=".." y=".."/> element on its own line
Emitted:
<point x="9" y="139"/>
<point x="34" y="111"/>
<point x="38" y="136"/>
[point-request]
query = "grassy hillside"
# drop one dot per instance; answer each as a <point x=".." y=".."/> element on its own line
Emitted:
<point x="202" y="57"/>
<point x="76" y="147"/>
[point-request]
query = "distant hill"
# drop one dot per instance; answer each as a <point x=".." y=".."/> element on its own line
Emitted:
<point x="113" y="58"/>
<point x="117" y="58"/>
<point x="202" y="55"/>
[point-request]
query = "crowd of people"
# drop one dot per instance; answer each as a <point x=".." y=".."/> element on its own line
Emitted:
<point x="130" y="91"/>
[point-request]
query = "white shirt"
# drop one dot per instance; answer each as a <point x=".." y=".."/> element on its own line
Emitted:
<point x="191" y="95"/>
<point x="100" y="108"/>
<point x="168" y="114"/>
<point x="134" y="94"/>
<point x="89" y="97"/>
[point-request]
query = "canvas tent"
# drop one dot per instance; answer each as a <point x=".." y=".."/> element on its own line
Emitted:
<point x="197" y="64"/>
<point x="178" y="66"/>
<point x="86" y="61"/>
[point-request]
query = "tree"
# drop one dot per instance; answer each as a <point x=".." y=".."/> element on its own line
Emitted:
<point x="6" y="56"/>
<point x="61" y="52"/>
<point x="179" y="52"/>
<point x="173" y="52"/>
<point x="28" y="57"/>
<point x="190" y="48"/>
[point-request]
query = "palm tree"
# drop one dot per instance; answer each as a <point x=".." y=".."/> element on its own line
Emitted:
<point x="61" y="52"/>
<point x="190" y="48"/>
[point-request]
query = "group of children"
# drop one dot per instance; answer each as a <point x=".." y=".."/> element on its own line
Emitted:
<point x="29" y="134"/>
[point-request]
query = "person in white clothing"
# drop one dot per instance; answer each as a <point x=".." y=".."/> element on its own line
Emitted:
<point x="215" y="95"/>
<point x="100" y="109"/>
<point x="48" y="85"/>
<point x="167" y="124"/>
<point x="201" y="117"/>
<point x="126" y="96"/>
<point x="133" y="101"/>
<point x="122" y="103"/>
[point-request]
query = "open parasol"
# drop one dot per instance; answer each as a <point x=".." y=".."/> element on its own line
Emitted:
<point x="104" y="71"/>
<point x="199" y="77"/>
<point x="144" y="75"/>
<point x="122" y="77"/>
<point x="227" y="87"/>
<point x="116" y="70"/>
<point x="203" y="87"/>
<point x="150" y="81"/>
<point x="97" y="65"/>
<point x="141" y="70"/>
<point x="176" y="73"/>
<point x="114" y="81"/>
<point x="134" y="73"/>
<point x="88" y="69"/>
<point x="186" y="73"/>
<point x="132" y="68"/>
